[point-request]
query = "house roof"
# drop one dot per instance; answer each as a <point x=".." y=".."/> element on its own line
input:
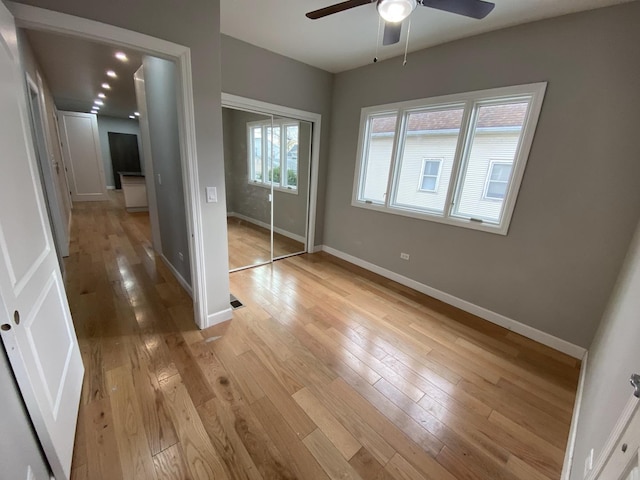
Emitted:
<point x="495" y="116"/>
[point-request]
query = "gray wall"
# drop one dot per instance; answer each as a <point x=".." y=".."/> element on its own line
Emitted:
<point x="614" y="355"/>
<point x="160" y="77"/>
<point x="285" y="82"/>
<point x="119" y="125"/>
<point x="580" y="197"/>
<point x="194" y="24"/>
<point x="289" y="210"/>
<point x="19" y="444"/>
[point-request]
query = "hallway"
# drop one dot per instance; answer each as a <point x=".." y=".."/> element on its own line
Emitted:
<point x="327" y="372"/>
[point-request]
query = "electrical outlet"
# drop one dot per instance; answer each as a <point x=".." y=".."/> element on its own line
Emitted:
<point x="588" y="463"/>
<point x="180" y="256"/>
<point x="159" y="179"/>
<point x="404" y="256"/>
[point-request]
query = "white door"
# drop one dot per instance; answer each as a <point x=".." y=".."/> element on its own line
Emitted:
<point x="81" y="149"/>
<point x="35" y="322"/>
<point x="624" y="463"/>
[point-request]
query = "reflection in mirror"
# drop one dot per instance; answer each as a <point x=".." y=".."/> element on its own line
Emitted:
<point x="265" y="158"/>
<point x="292" y="153"/>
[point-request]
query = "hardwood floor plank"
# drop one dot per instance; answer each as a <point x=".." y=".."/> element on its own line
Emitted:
<point x="169" y="464"/>
<point x="135" y="455"/>
<point x="201" y="459"/>
<point x="103" y="457"/>
<point x="346" y="444"/>
<point x="336" y="467"/>
<point x="368" y="467"/>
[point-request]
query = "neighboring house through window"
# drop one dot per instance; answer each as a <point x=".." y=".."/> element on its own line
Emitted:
<point x="466" y="153"/>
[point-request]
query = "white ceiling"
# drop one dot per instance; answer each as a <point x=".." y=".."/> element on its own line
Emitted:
<point x="347" y="40"/>
<point x="74" y="70"/>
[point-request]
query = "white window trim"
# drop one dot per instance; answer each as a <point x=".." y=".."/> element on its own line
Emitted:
<point x="535" y="90"/>
<point x="421" y="179"/>
<point x="487" y="181"/>
<point x="283" y="157"/>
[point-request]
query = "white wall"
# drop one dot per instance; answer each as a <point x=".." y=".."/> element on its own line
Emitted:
<point x="119" y="125"/>
<point x="614" y="355"/>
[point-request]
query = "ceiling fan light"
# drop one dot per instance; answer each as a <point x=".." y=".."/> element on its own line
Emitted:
<point x="395" y="11"/>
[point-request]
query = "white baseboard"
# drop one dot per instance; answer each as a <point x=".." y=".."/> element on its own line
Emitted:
<point x="219" y="317"/>
<point x="577" y="405"/>
<point x="293" y="236"/>
<point x="111" y="187"/>
<point x="176" y="274"/>
<point x="534" y="334"/>
<point x="317" y="248"/>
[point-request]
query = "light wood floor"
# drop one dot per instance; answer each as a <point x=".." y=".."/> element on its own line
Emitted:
<point x="250" y="244"/>
<point x="327" y="372"/>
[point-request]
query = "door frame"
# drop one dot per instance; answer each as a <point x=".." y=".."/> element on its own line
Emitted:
<point x="243" y="103"/>
<point x="35" y="18"/>
<point x="43" y="157"/>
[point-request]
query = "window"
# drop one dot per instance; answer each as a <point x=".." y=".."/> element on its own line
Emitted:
<point x="273" y="155"/>
<point x="466" y="154"/>
<point x="497" y="180"/>
<point x="430" y="175"/>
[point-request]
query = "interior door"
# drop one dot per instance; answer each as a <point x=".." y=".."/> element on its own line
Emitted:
<point x="35" y="322"/>
<point x="81" y="149"/>
<point x="125" y="156"/>
<point x="249" y="147"/>
<point x="624" y="462"/>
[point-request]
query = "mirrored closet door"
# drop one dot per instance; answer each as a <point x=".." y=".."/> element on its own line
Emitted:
<point x="267" y="167"/>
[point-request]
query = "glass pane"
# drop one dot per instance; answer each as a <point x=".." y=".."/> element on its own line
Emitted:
<point x="501" y="172"/>
<point x="291" y="179"/>
<point x="432" y="134"/>
<point x="495" y="136"/>
<point x="429" y="183"/>
<point x="273" y="154"/>
<point x="377" y="157"/>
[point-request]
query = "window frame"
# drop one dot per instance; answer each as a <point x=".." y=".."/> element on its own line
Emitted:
<point x="492" y="163"/>
<point x="471" y="101"/>
<point x="282" y="124"/>
<point x="437" y="160"/>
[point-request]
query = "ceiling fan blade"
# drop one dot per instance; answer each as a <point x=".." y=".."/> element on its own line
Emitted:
<point x="469" y="8"/>
<point x="392" y="33"/>
<point x="338" y="7"/>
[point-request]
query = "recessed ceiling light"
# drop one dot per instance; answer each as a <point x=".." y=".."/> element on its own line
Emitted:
<point x="137" y="114"/>
<point x="98" y="102"/>
<point x="111" y="73"/>
<point x="102" y="95"/>
<point x="95" y="107"/>
<point x="132" y="117"/>
<point x="106" y="86"/>
<point x="121" y="56"/>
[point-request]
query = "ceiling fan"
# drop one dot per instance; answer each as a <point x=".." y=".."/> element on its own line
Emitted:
<point x="393" y="12"/>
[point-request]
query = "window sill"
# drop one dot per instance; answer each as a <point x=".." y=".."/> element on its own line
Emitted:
<point x="292" y="191"/>
<point x="454" y="221"/>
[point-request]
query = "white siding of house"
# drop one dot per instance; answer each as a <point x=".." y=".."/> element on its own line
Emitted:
<point x="487" y="146"/>
<point x="417" y="148"/>
<point x="377" y="169"/>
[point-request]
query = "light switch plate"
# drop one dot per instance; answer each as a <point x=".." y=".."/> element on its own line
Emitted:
<point x="212" y="195"/>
